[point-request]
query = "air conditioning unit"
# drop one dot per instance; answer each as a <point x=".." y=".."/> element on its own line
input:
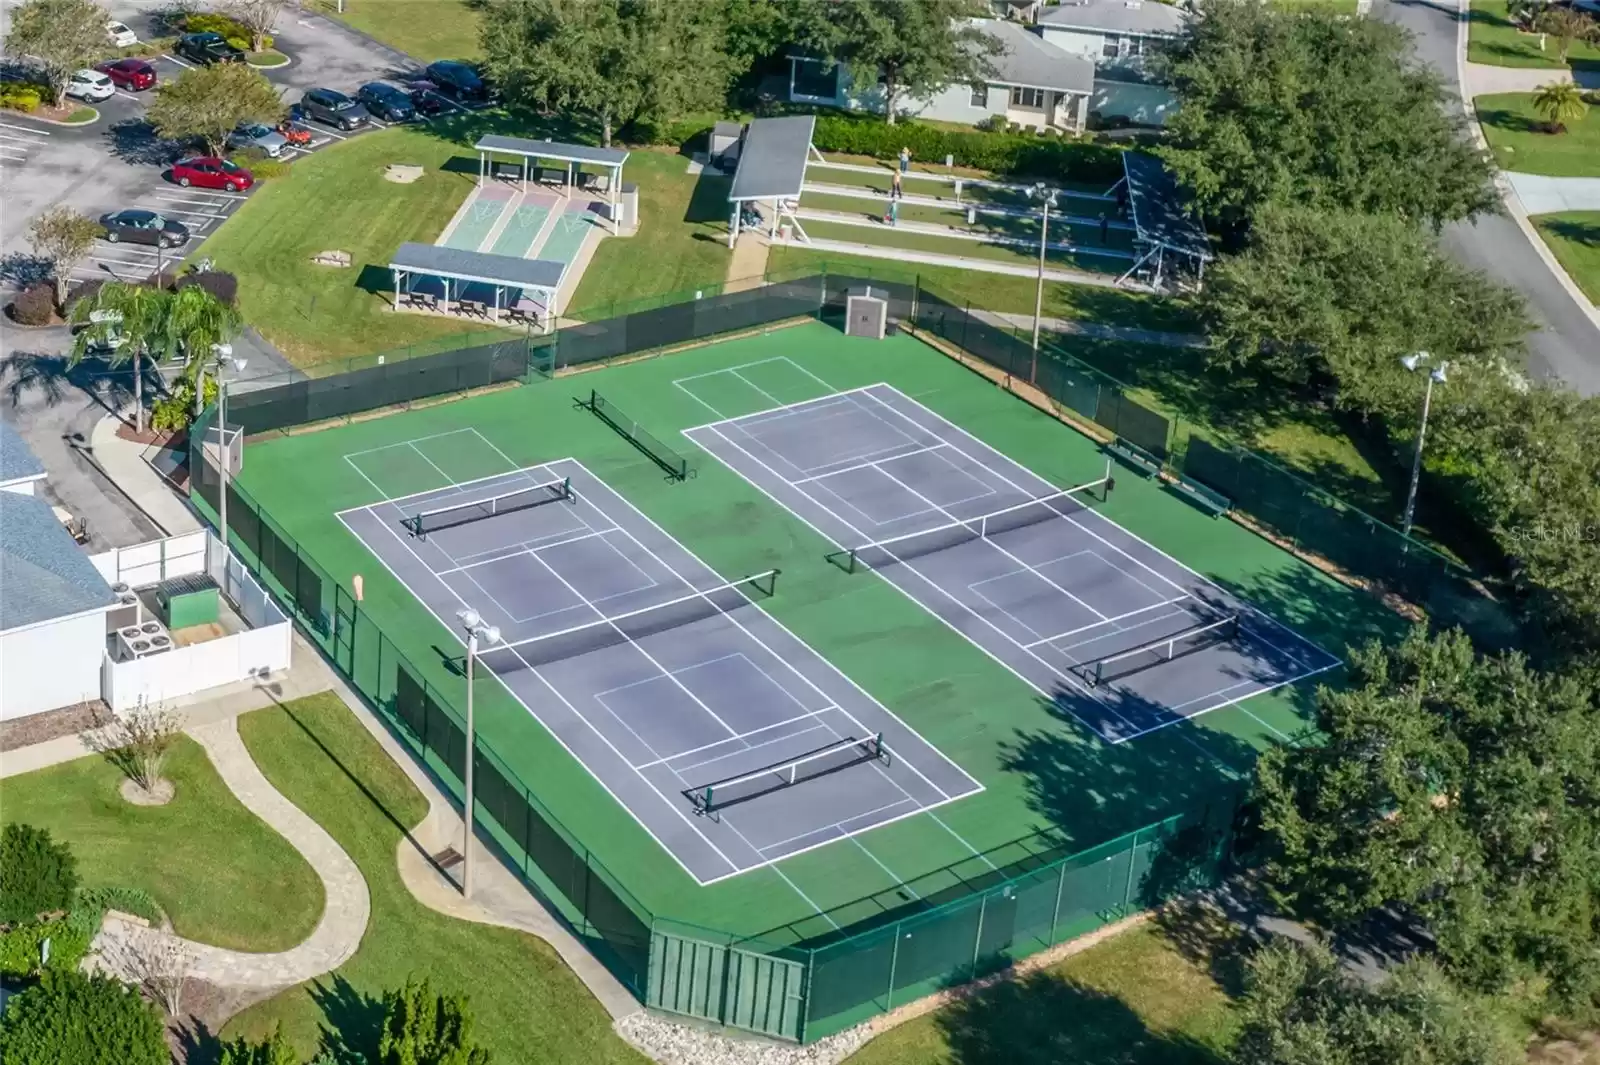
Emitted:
<point x="138" y="641"/>
<point x="128" y="611"/>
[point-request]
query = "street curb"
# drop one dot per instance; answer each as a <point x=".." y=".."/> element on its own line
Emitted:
<point x="1508" y="194"/>
<point x="24" y="116"/>
<point x="288" y="60"/>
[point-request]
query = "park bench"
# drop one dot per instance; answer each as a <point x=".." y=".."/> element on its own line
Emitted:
<point x="1132" y="455"/>
<point x="1207" y="499"/>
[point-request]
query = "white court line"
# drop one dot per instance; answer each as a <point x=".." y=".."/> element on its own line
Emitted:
<point x="1299" y="639"/>
<point x="871" y="463"/>
<point x="556" y="736"/>
<point x="483" y="558"/>
<point x="744" y="736"/>
<point x="977" y="785"/>
<point x="837" y="826"/>
<point x="741" y="366"/>
<point x="1110" y="621"/>
<point x="753" y="385"/>
<point x="776" y="412"/>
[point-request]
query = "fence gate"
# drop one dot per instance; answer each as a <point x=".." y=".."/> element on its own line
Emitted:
<point x="756" y="992"/>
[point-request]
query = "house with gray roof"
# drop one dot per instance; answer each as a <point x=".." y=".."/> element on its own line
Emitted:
<point x="1121" y="38"/>
<point x="1031" y="83"/>
<point x="20" y="468"/>
<point x="53" y="605"/>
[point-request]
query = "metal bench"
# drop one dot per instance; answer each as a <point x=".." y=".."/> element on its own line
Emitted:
<point x="1207" y="499"/>
<point x="1133" y="456"/>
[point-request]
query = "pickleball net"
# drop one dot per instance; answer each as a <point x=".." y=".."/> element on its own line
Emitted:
<point x="1197" y="637"/>
<point x="450" y="515"/>
<point x="821" y="761"/>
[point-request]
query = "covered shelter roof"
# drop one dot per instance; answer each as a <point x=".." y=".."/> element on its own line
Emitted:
<point x="566" y="153"/>
<point x="462" y="265"/>
<point x="1160" y="210"/>
<point x="772" y="162"/>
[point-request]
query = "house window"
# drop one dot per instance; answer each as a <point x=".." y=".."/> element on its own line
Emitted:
<point x="1021" y="97"/>
<point x="980" y="96"/>
<point x="1110" y="48"/>
<point x="1133" y="46"/>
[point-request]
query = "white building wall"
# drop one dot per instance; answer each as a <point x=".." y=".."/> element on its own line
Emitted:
<point x="1078" y="42"/>
<point x="51" y="665"/>
<point x="955" y="104"/>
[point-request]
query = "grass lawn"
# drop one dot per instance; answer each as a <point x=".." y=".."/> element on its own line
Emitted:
<point x="891" y="237"/>
<point x="1133" y="1000"/>
<point x="1001" y="292"/>
<point x="681" y="245"/>
<point x="222" y="876"/>
<point x="1574" y="236"/>
<point x="1517" y="137"/>
<point x="1494" y="40"/>
<point x="423" y="29"/>
<point x="1000" y="225"/>
<point x="530" y="1008"/>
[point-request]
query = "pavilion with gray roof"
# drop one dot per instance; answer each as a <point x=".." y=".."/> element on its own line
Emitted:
<point x="572" y="156"/>
<point x="772" y="169"/>
<point x="458" y="268"/>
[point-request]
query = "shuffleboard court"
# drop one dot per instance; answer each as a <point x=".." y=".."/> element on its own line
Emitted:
<point x="1100" y="622"/>
<point x="731" y="741"/>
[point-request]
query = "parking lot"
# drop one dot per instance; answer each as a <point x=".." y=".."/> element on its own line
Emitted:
<point x="119" y="162"/>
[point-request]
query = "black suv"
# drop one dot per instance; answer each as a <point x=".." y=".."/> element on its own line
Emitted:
<point x="386" y="102"/>
<point x="207" y="48"/>
<point x="457" y="81"/>
<point x="332" y="109"/>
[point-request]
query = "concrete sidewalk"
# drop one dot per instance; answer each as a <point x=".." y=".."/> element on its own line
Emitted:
<point x="123" y="462"/>
<point x="1541" y="194"/>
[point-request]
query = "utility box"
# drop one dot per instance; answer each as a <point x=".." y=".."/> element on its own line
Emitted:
<point x="188" y="600"/>
<point x="866" y="315"/>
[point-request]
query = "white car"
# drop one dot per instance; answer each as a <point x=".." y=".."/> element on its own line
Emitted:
<point x="91" y="86"/>
<point x="120" y="34"/>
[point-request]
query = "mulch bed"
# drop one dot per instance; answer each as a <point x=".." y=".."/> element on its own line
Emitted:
<point x="52" y="724"/>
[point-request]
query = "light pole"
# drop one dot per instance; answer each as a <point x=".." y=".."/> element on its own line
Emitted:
<point x="223" y="353"/>
<point x="1414" y="362"/>
<point x="1048" y="195"/>
<point x="476" y="630"/>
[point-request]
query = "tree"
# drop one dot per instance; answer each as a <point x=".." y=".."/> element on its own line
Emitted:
<point x="1325" y="295"/>
<point x="1460" y="788"/>
<point x="138" y="742"/>
<point x="37" y="874"/>
<point x="619" y="60"/>
<point x="1311" y="109"/>
<point x="915" y="49"/>
<point x="1567" y="24"/>
<point x="133" y="325"/>
<point x="257" y="16"/>
<point x="274" y="1050"/>
<point x="61" y="35"/>
<point x="85" y="1020"/>
<point x="206" y="103"/>
<point x="422" y="1028"/>
<point x="197" y="321"/>
<point x="1299" y="1008"/>
<point x="1559" y="102"/>
<point x="63" y="236"/>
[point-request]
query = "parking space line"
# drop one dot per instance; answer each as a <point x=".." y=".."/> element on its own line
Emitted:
<point x="175" y="59"/>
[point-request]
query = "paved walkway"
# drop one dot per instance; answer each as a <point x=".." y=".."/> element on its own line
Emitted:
<point x="747" y="266"/>
<point x="1094" y="330"/>
<point x="987" y="266"/>
<point x="123" y="462"/>
<point x="1482" y="79"/>
<point x="1541" y="194"/>
<point x="124" y="948"/>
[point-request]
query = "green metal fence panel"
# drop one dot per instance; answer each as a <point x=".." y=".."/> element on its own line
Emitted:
<point x="765" y="994"/>
<point x="725" y="985"/>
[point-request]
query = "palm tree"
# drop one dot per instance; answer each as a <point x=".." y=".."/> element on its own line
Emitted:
<point x="1559" y="102"/>
<point x="197" y="321"/>
<point x="130" y="320"/>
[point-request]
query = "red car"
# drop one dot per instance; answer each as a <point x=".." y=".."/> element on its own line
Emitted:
<point x="133" y="74"/>
<point x="209" y="172"/>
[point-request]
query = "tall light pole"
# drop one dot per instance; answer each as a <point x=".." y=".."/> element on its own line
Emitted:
<point x="1414" y="362"/>
<point x="1046" y="194"/>
<point x="476" y="630"/>
<point x="223" y="353"/>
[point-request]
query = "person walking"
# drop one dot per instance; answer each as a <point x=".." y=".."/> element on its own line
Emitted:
<point x="905" y="159"/>
<point x="896" y="190"/>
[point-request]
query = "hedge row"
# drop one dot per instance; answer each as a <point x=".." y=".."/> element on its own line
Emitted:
<point x="1001" y="153"/>
<point x="69" y="941"/>
<point x="22" y="95"/>
<point x="236" y="32"/>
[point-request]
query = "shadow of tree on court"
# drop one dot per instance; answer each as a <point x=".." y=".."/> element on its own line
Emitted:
<point x="1047" y="1019"/>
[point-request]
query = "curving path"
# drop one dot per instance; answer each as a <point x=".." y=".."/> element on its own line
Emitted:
<point x="125" y="948"/>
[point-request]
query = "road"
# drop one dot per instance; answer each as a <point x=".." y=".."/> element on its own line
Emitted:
<point x="1566" y="342"/>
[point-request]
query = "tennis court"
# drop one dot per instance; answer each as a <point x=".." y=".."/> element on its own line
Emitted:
<point x="1098" y="621"/>
<point x="732" y="742"/>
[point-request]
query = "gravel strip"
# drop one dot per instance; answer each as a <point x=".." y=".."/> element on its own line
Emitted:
<point x="680" y="1044"/>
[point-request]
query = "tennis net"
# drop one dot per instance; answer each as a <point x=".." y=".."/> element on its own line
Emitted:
<point x="647" y="443"/>
<point x="1065" y="503"/>
<point x="445" y="517"/>
<point x="829" y="758"/>
<point x="633" y="625"/>
<point x="1195" y="638"/>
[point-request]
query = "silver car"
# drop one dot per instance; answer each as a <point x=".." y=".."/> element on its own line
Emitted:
<point x="262" y="138"/>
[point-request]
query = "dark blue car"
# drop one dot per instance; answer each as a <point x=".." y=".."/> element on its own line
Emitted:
<point x="386" y="102"/>
<point x="459" y="81"/>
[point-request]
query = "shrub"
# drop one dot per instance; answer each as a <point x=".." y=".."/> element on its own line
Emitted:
<point x="37" y="874"/>
<point x="85" y="290"/>
<point x="136" y="901"/>
<point x="235" y="31"/>
<point x="22" y="96"/>
<point x="69" y="941"/>
<point x="34" y="305"/>
<point x="85" y="1020"/>
<point x="219" y="283"/>
<point x="261" y="166"/>
<point x="422" y="1028"/>
<point x="1004" y="153"/>
<point x="175" y="411"/>
<point x="274" y="1050"/>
